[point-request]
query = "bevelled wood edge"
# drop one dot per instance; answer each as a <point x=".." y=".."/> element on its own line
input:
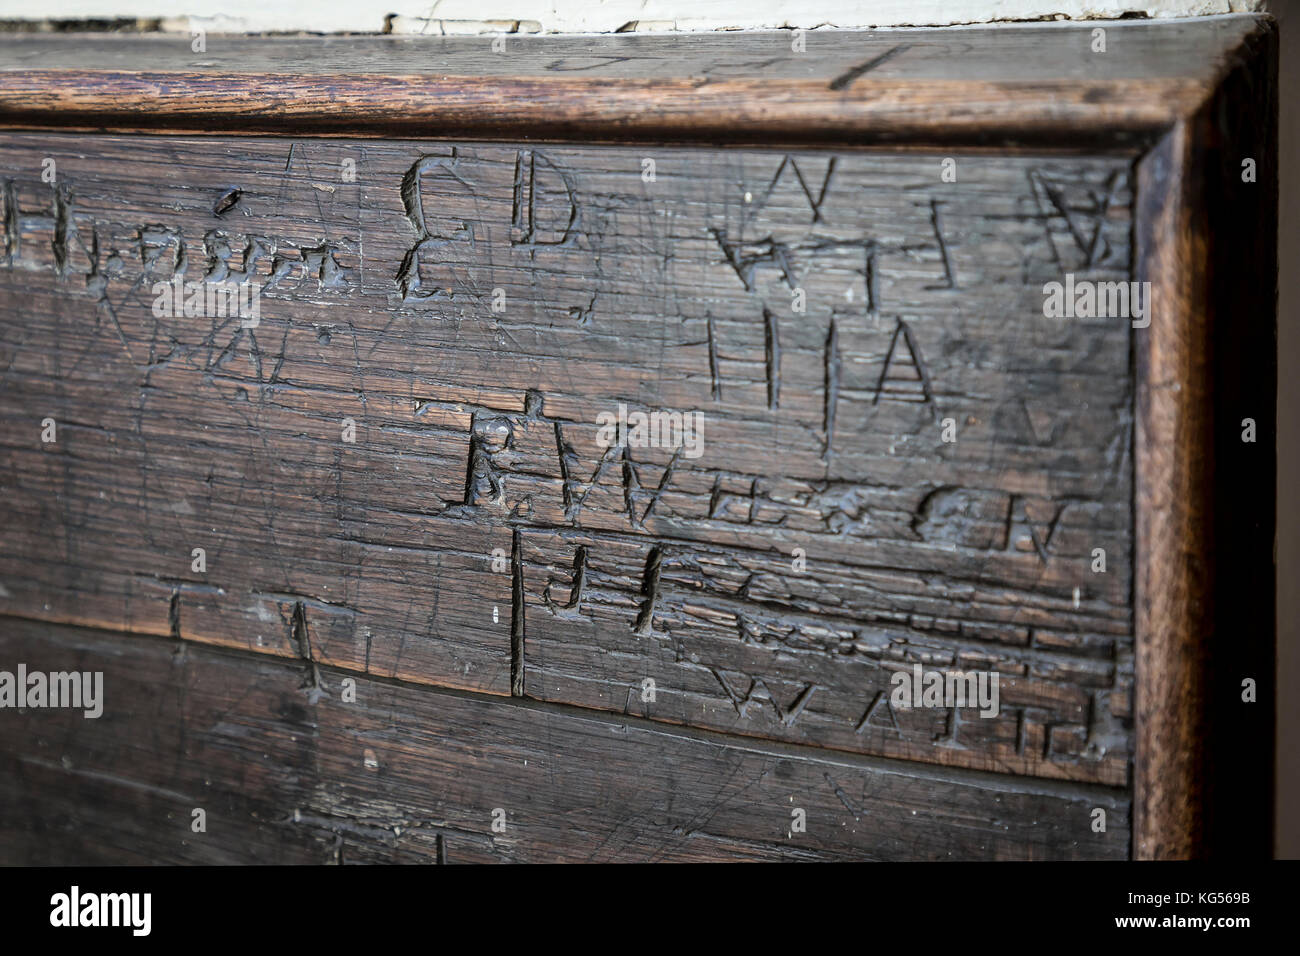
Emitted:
<point x="1027" y="85"/>
<point x="932" y="113"/>
<point x="1205" y="504"/>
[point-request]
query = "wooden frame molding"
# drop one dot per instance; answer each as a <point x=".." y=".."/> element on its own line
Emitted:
<point x="1004" y="87"/>
<point x="1203" y="620"/>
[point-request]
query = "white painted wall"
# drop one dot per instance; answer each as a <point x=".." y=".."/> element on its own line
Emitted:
<point x="591" y="16"/>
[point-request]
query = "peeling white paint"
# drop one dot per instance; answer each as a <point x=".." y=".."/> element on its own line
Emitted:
<point x="447" y="17"/>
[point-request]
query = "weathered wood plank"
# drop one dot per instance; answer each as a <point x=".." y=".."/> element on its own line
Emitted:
<point x="1010" y="85"/>
<point x="407" y="774"/>
<point x="474" y="310"/>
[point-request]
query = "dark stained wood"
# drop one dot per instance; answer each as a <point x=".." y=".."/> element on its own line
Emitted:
<point x="406" y="775"/>
<point x="1205" y="504"/>
<point x="823" y="429"/>
<point x="493" y="279"/>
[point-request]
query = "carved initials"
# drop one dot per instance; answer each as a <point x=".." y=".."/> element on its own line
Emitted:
<point x="18" y="222"/>
<point x="746" y="257"/>
<point x="576" y="587"/>
<point x="758" y="694"/>
<point x="904" y="377"/>
<point x="814" y="202"/>
<point x="430" y="236"/>
<point x="1047" y="191"/>
<point x="545" y="210"/>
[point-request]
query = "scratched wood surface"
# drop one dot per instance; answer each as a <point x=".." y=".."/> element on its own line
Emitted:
<point x="825" y="537"/>
<point x="1005" y="86"/>
<point x="397" y="475"/>
<point x="408" y="775"/>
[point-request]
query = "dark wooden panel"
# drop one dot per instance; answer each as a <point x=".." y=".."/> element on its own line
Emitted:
<point x="476" y="537"/>
<point x="406" y="774"/>
<point x="477" y="430"/>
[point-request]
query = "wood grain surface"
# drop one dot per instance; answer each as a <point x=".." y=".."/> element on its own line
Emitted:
<point x="477" y="430"/>
<point x="407" y="775"/>
<point x="1039" y="84"/>
<point x="465" y="261"/>
<point x="1206" y="496"/>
